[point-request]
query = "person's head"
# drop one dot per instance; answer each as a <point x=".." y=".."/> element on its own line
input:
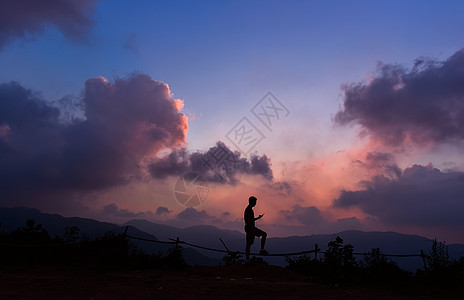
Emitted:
<point x="252" y="200"/>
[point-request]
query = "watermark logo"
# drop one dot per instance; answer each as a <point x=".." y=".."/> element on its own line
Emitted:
<point x="190" y="191"/>
<point x="269" y="110"/>
<point x="245" y="135"/>
<point x="220" y="161"/>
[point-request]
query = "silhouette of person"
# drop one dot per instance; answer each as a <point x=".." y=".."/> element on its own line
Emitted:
<point x="251" y="230"/>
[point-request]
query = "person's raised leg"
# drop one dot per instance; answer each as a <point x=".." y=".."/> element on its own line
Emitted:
<point x="247" y="250"/>
<point x="263" y="242"/>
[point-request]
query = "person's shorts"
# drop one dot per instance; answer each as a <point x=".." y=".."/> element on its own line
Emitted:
<point x="251" y="232"/>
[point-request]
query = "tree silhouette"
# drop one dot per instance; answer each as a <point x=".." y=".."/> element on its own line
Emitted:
<point x="31" y="226"/>
<point x="233" y="259"/>
<point x="380" y="269"/>
<point x="32" y="233"/>
<point x="437" y="258"/>
<point x="339" y="256"/>
<point x="71" y="234"/>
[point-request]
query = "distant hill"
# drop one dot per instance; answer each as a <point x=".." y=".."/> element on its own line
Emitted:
<point x="208" y="236"/>
<point x="388" y="242"/>
<point x="13" y="218"/>
<point x="205" y="235"/>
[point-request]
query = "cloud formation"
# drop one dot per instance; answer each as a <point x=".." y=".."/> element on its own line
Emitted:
<point x="380" y="163"/>
<point x="125" y="122"/>
<point x="309" y="215"/>
<point x="113" y="210"/>
<point x="162" y="210"/>
<point x="217" y="164"/>
<point x="20" y="18"/>
<point x="423" y="105"/>
<point x="191" y="213"/>
<point x="421" y="196"/>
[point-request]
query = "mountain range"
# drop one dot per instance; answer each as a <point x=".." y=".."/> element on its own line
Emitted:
<point x="209" y="236"/>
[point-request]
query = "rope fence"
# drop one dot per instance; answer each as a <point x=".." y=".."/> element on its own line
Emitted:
<point x="238" y="252"/>
<point x="148" y="240"/>
<point x="316" y="250"/>
<point x="178" y="242"/>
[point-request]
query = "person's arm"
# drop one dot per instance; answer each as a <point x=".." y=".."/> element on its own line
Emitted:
<point x="259" y="217"/>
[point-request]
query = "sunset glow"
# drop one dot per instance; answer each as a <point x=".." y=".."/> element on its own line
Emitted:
<point x="335" y="117"/>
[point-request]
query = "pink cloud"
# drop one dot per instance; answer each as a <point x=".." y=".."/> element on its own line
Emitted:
<point x="124" y="123"/>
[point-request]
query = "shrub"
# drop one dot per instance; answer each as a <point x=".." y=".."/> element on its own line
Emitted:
<point x="305" y="265"/>
<point x="338" y="262"/>
<point x="174" y="259"/>
<point x="233" y="259"/>
<point x="71" y="234"/>
<point x="256" y="260"/>
<point x="437" y="258"/>
<point x="376" y="267"/>
<point x="338" y="258"/>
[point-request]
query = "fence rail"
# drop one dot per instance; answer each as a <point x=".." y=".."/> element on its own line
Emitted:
<point x="178" y="242"/>
<point x="316" y="249"/>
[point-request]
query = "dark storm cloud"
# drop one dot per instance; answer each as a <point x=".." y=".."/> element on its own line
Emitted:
<point x="125" y="121"/>
<point x="422" y="196"/>
<point x="380" y="162"/>
<point x="176" y="162"/>
<point x="309" y="215"/>
<point x="283" y="188"/>
<point x="378" y="159"/>
<point x="423" y="105"/>
<point x="114" y="210"/>
<point x="22" y="107"/>
<point x="346" y="223"/>
<point x="30" y="140"/>
<point x="162" y="210"/>
<point x="191" y="213"/>
<point x="218" y="164"/>
<point x="20" y="18"/>
<point x="191" y="217"/>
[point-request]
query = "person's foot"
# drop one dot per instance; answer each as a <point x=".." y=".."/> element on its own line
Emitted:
<point x="263" y="252"/>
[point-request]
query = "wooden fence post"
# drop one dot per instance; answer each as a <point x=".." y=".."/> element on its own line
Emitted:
<point x="423" y="259"/>
<point x="125" y="231"/>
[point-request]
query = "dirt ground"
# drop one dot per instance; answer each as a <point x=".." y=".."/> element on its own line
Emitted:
<point x="238" y="282"/>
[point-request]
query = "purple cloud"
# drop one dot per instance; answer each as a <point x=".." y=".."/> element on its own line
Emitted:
<point x="124" y="122"/>
<point x="20" y="18"/>
<point x="423" y="105"/>
<point x="114" y="210"/>
<point x="217" y="164"/>
<point x="161" y="210"/>
<point x="191" y="213"/>
<point x="380" y="162"/>
<point x="309" y="215"/>
<point x="421" y="196"/>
